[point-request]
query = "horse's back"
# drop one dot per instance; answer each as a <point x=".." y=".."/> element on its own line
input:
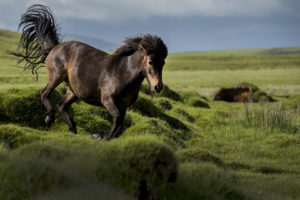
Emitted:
<point x="80" y="65"/>
<point x="72" y="47"/>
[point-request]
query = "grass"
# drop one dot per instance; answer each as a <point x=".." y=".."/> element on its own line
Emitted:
<point x="195" y="80"/>
<point x="272" y="118"/>
<point x="182" y="62"/>
<point x="176" y="145"/>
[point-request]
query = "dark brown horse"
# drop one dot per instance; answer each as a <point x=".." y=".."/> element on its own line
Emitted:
<point x="112" y="80"/>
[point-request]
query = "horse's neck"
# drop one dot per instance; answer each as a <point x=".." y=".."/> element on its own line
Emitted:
<point x="133" y="64"/>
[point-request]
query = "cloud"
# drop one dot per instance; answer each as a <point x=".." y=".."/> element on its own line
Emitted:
<point x="128" y="9"/>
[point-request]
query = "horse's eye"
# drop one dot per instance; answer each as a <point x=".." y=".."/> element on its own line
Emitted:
<point x="150" y="63"/>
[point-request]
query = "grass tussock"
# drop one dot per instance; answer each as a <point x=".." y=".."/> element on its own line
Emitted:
<point x="152" y="126"/>
<point x="272" y="117"/>
<point x="194" y="99"/>
<point x="203" y="181"/>
<point x="25" y="106"/>
<point x="13" y="136"/>
<point x="164" y="103"/>
<point x="91" y="118"/>
<point x="146" y="107"/>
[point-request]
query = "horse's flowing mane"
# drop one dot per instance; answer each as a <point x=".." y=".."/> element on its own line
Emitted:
<point x="151" y="43"/>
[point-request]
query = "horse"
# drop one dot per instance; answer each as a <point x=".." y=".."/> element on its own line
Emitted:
<point x="89" y="74"/>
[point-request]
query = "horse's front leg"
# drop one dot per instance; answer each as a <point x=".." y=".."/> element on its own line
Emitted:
<point x="116" y="128"/>
<point x="118" y="118"/>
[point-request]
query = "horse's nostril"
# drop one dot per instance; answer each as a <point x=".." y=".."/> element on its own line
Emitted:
<point x="156" y="88"/>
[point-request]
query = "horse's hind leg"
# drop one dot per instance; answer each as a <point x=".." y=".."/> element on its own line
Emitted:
<point x="63" y="107"/>
<point x="45" y="94"/>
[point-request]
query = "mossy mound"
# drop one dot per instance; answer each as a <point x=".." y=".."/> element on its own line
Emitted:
<point x="158" y="127"/>
<point x="86" y="191"/>
<point x="164" y="103"/>
<point x="138" y="162"/>
<point x="24" y="106"/>
<point x="12" y="136"/>
<point x="25" y="177"/>
<point x="93" y="119"/>
<point x="194" y="99"/>
<point x="138" y="165"/>
<point x="166" y="92"/>
<point x="204" y="181"/>
<point x="197" y="154"/>
<point x="243" y="92"/>
<point x="146" y="107"/>
<point x="197" y="102"/>
<point x="257" y="95"/>
<point x="183" y="114"/>
<point x="3" y="153"/>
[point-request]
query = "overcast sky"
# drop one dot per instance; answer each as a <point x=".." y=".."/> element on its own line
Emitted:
<point x="183" y="24"/>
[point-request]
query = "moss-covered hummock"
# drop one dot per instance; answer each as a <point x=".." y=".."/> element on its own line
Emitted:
<point x="12" y="136"/>
<point x="49" y="161"/>
<point x="257" y="95"/>
<point x="166" y="92"/>
<point x="146" y="107"/>
<point x="24" y="106"/>
<point x="194" y="99"/>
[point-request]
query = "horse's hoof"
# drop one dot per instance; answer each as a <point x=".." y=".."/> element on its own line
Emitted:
<point x="49" y="120"/>
<point x="98" y="136"/>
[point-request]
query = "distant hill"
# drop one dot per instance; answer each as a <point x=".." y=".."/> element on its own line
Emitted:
<point x="243" y="52"/>
<point x="273" y="58"/>
<point x="9" y="40"/>
<point x="95" y="42"/>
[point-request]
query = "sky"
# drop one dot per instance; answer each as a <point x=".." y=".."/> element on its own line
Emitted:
<point x="184" y="25"/>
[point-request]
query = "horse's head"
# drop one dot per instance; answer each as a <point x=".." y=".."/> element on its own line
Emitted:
<point x="152" y="53"/>
<point x="152" y="69"/>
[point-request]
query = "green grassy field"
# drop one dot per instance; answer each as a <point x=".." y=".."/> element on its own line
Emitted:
<point x="218" y="150"/>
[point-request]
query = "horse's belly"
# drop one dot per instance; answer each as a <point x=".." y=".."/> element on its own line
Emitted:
<point x="86" y="89"/>
<point x="91" y="101"/>
<point x="89" y="96"/>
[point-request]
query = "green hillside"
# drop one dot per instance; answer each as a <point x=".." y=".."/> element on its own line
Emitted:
<point x="176" y="145"/>
<point x="244" y="52"/>
<point x="278" y="58"/>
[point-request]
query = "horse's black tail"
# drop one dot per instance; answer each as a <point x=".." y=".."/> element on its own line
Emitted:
<point x="39" y="36"/>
